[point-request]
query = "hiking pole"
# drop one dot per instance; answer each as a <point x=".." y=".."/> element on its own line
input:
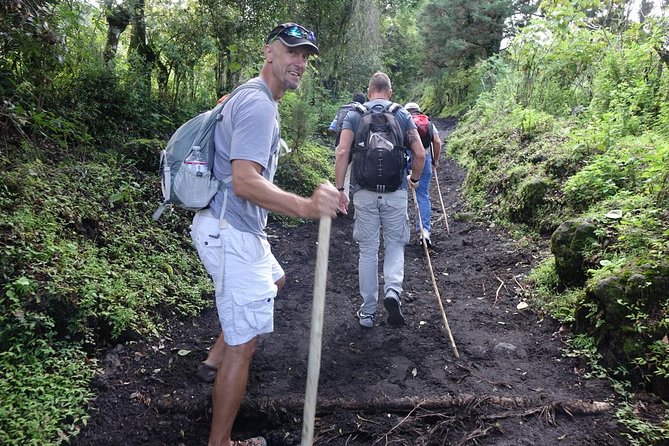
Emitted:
<point x="441" y="199"/>
<point x="316" y="337"/>
<point x="434" y="280"/>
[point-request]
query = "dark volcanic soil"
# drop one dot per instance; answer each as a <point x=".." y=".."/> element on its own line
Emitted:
<point x="400" y="386"/>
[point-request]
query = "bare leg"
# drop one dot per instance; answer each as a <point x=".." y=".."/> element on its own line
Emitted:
<point x="229" y="390"/>
<point x="215" y="353"/>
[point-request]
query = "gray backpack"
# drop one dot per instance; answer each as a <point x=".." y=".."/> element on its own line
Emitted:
<point x="186" y="164"/>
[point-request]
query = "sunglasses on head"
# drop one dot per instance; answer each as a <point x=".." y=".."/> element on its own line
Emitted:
<point x="294" y="31"/>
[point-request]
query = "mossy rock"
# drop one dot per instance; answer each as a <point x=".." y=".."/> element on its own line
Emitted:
<point x="625" y="312"/>
<point x="568" y="244"/>
<point x="527" y="200"/>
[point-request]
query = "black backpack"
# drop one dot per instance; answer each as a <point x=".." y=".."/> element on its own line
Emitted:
<point x="341" y="115"/>
<point x="378" y="149"/>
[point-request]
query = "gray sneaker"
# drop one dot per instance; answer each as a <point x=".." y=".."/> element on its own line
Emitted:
<point x="366" y="320"/>
<point x="394" y="309"/>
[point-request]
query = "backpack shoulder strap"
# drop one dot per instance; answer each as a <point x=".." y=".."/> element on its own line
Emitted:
<point x="360" y="108"/>
<point x="394" y="107"/>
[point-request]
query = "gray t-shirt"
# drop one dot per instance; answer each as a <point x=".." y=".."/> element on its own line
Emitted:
<point x="248" y="131"/>
<point x="404" y="119"/>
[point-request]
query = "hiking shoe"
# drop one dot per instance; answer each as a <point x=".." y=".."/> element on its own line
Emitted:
<point x="366" y="320"/>
<point x="255" y="441"/>
<point x="425" y="235"/>
<point x="394" y="309"/>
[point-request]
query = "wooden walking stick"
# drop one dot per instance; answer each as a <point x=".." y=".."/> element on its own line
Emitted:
<point x="441" y="199"/>
<point x="315" y="340"/>
<point x="434" y="280"/>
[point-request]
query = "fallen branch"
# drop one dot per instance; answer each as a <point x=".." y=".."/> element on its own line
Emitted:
<point x="408" y="404"/>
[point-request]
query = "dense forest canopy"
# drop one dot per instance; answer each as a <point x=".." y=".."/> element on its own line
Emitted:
<point x="563" y="128"/>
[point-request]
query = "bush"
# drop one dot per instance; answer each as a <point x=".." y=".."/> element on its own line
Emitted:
<point x="44" y="389"/>
<point x="301" y="171"/>
<point x="97" y="265"/>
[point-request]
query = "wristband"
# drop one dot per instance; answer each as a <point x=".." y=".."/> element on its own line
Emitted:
<point x="340" y="189"/>
<point x="414" y="181"/>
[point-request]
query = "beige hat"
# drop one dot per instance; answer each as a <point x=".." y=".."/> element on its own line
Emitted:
<point x="412" y="106"/>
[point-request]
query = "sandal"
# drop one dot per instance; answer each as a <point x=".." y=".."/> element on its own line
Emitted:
<point x="207" y="373"/>
<point x="255" y="441"/>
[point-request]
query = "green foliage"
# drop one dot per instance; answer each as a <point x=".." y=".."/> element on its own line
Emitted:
<point x="643" y="427"/>
<point x="555" y="65"/>
<point x="546" y="293"/>
<point x="630" y="84"/>
<point x="44" y="388"/>
<point x="631" y="165"/>
<point x="144" y="153"/>
<point x="298" y="119"/>
<point x="351" y="45"/>
<point x="302" y="171"/>
<point x="508" y="164"/>
<point x="642" y="431"/>
<point x="31" y="45"/>
<point x="87" y="228"/>
<point x="583" y="345"/>
<point x="402" y="53"/>
<point x="450" y="94"/>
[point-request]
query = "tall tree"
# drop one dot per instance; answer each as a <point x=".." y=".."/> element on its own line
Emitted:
<point x="355" y="47"/>
<point x="459" y="33"/>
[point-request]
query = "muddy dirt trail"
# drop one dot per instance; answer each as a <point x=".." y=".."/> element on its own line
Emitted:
<point x="400" y="386"/>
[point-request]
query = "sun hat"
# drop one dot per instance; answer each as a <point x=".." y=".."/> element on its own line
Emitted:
<point x="412" y="106"/>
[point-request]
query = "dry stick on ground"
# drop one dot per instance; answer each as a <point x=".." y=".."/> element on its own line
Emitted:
<point x="318" y="310"/>
<point x="434" y="281"/>
<point x="474" y="374"/>
<point x="476" y="433"/>
<point x="498" y="290"/>
<point x="441" y="199"/>
<point x="398" y="424"/>
<point x="515" y="279"/>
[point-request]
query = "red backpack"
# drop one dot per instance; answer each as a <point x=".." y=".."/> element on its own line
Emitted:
<point x="424" y="128"/>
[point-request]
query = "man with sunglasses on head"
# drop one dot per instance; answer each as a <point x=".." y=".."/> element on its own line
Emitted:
<point x="230" y="234"/>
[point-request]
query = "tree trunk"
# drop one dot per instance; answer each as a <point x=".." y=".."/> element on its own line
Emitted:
<point x="141" y="54"/>
<point x="118" y="19"/>
<point x="163" y="77"/>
